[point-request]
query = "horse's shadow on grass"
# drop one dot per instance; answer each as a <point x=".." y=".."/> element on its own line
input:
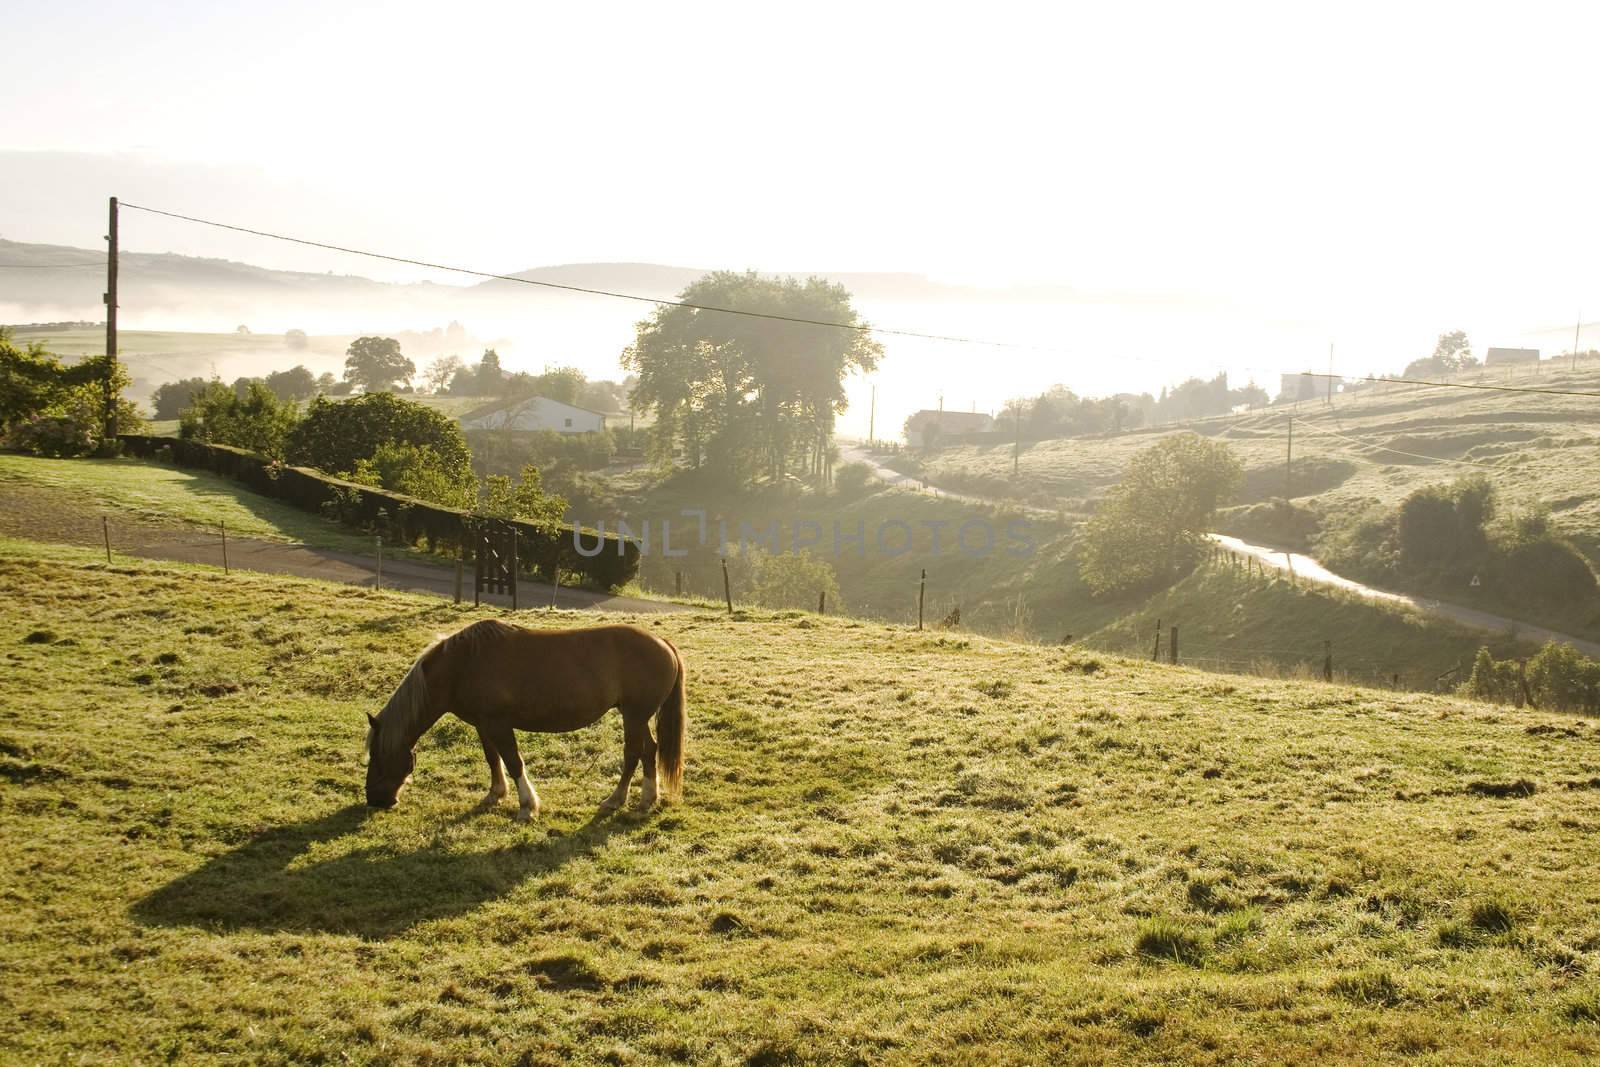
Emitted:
<point x="271" y="883"/>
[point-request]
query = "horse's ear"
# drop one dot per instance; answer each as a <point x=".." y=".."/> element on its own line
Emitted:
<point x="371" y="721"/>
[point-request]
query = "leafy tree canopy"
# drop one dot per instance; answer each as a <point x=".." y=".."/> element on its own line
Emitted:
<point x="1149" y="529"/>
<point x="749" y="395"/>
<point x="336" y="435"/>
<point x="374" y="364"/>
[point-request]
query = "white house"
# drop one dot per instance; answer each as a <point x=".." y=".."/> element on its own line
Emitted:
<point x="534" y="413"/>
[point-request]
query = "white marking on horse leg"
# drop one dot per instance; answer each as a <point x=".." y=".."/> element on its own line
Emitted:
<point x="529" y="798"/>
<point x="647" y="795"/>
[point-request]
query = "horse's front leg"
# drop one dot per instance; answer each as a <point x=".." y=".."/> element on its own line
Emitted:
<point x="497" y="773"/>
<point x="634" y="733"/>
<point x="505" y="743"/>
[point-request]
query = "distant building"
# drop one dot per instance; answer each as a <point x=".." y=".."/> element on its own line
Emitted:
<point x="1502" y="357"/>
<point x="927" y="428"/>
<point x="532" y="414"/>
<point x="1302" y="386"/>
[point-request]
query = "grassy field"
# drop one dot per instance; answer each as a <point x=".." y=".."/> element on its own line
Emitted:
<point x="62" y="499"/>
<point x="153" y="356"/>
<point x="893" y="848"/>
<point x="1367" y="449"/>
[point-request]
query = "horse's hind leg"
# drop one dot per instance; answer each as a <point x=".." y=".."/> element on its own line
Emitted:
<point x="634" y="733"/>
<point x="497" y="773"/>
<point x="505" y="743"/>
<point x="647" y="794"/>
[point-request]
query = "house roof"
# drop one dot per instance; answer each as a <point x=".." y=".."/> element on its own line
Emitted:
<point x="512" y="406"/>
<point x="950" y="419"/>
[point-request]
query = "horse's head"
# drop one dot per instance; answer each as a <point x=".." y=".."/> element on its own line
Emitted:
<point x="388" y="767"/>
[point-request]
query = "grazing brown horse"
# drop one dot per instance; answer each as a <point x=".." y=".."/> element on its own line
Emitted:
<point x="503" y="678"/>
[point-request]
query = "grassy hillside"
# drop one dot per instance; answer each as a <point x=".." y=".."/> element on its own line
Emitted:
<point x="893" y="848"/>
<point x="1367" y="449"/>
<point x="1231" y="620"/>
<point x="64" y="500"/>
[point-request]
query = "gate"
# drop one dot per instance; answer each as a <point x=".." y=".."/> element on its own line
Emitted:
<point x="495" y="561"/>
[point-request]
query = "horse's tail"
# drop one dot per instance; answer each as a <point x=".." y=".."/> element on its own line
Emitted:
<point x="672" y="720"/>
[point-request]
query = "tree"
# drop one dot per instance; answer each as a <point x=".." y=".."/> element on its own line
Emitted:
<point x="336" y="435"/>
<point x="441" y="372"/>
<point x="296" y="383"/>
<point x="326" y="382"/>
<point x="55" y="409"/>
<point x="375" y="364"/>
<point x="525" y="500"/>
<point x="255" y="420"/>
<point x="792" y="580"/>
<point x="296" y="339"/>
<point x="1451" y="354"/>
<point x="170" y="398"/>
<point x="748" y="395"/>
<point x="1150" y="528"/>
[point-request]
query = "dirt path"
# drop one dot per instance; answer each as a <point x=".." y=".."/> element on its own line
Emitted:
<point x="40" y="515"/>
<point x="1301" y="566"/>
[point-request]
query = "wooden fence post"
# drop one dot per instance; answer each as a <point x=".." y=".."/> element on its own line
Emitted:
<point x="1526" y="694"/>
<point x="555" y="579"/>
<point x="224" y="527"/>
<point x="922" y="589"/>
<point x="1172" y="646"/>
<point x="516" y="568"/>
<point x="1327" y="661"/>
<point x="377" y="578"/>
<point x="822" y="602"/>
<point x="105" y="528"/>
<point x="461" y="558"/>
<point x="1155" y="656"/>
<point x="727" y="588"/>
<point x="677" y="583"/>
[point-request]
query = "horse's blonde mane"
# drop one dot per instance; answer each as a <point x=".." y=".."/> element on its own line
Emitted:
<point x="408" y="705"/>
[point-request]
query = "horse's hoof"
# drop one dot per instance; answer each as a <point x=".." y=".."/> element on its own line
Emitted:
<point x="610" y="803"/>
<point x="490" y="802"/>
<point x="526" y="814"/>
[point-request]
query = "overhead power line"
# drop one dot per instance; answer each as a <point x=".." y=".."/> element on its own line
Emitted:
<point x="856" y="327"/>
<point x="48" y="266"/>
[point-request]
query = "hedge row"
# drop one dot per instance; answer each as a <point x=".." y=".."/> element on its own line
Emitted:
<point x="402" y="519"/>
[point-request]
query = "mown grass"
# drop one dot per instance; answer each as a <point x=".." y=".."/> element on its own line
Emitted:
<point x="134" y="492"/>
<point x="883" y="854"/>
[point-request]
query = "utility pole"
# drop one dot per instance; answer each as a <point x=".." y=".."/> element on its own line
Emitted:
<point x="1016" y="446"/>
<point x="1330" y="374"/>
<point x="111" y="329"/>
<point x="1288" y="463"/>
<point x="1576" y="327"/>
<point x="872" y="417"/>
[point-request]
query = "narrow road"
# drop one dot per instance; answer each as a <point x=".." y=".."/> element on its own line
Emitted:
<point x="1308" y="569"/>
<point x="1301" y="566"/>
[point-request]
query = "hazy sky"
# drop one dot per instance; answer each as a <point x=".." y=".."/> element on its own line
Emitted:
<point x="1373" y="172"/>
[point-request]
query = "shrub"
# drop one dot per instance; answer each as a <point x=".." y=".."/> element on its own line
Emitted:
<point x="337" y="435"/>
<point x="56" y="436"/>
<point x="792" y="580"/>
<point x="253" y="419"/>
<point x="853" y="480"/>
